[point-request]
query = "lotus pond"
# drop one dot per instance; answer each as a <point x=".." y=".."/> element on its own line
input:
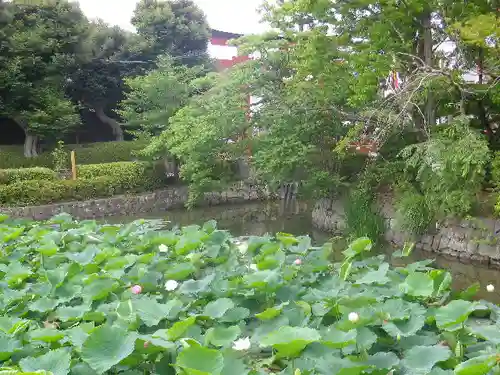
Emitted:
<point x="92" y="298"/>
<point x="257" y="219"/>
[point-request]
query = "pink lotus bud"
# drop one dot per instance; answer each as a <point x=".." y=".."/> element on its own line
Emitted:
<point x="146" y="344"/>
<point x="297" y="262"/>
<point x="136" y="289"/>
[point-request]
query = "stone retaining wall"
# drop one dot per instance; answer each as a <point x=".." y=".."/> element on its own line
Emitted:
<point x="172" y="197"/>
<point x="472" y="239"/>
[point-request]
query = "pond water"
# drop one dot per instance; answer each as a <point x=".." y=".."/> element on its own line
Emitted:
<point x="295" y="217"/>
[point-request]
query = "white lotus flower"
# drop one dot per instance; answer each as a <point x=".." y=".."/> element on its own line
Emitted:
<point x="253" y="267"/>
<point x="243" y="247"/>
<point x="242" y="344"/>
<point x="490" y="288"/>
<point x="171" y="285"/>
<point x="309" y="77"/>
<point x="353" y="317"/>
<point x="436" y="167"/>
<point x="190" y="256"/>
<point x="163" y="248"/>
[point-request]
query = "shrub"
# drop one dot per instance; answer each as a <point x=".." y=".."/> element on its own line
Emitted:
<point x="12" y="157"/>
<point x="495" y="171"/>
<point x="59" y="157"/>
<point x="128" y="175"/>
<point x="35" y="192"/>
<point x="95" y="181"/>
<point x="361" y="216"/>
<point x="92" y="153"/>
<point x="107" y="152"/>
<point x="414" y="213"/>
<point x="10" y="176"/>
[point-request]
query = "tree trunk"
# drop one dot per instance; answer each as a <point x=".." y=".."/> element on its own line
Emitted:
<point x="176" y="168"/>
<point x="31" y="145"/>
<point x="111" y="122"/>
<point x="430" y="110"/>
<point x="30" y="140"/>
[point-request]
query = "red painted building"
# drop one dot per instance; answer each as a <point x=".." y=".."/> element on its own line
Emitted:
<point x="219" y="49"/>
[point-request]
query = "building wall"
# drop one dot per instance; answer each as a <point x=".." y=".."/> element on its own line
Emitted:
<point x="225" y="54"/>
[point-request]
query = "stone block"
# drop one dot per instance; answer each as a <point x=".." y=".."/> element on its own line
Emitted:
<point x="426" y="243"/>
<point x="443" y="243"/>
<point x="436" y="242"/>
<point x="487" y="250"/>
<point x="472" y="247"/>
<point x="458" y="245"/>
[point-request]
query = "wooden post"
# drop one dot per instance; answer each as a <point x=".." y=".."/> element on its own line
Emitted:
<point x="73" y="164"/>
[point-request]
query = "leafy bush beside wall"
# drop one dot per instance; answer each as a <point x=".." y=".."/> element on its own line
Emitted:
<point x="25" y="193"/>
<point x="10" y="176"/>
<point x="94" y="181"/>
<point x="102" y="152"/>
<point x="128" y="175"/>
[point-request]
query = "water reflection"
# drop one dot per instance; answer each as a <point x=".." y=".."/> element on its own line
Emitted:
<point x="295" y="217"/>
<point x="255" y="219"/>
<point x="465" y="274"/>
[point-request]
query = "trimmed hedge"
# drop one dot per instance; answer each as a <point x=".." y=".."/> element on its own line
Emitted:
<point x="107" y="152"/>
<point x="94" y="181"/>
<point x="10" y="176"/>
<point x="130" y="176"/>
<point x="12" y="157"/>
<point x="34" y="192"/>
<point x="94" y="153"/>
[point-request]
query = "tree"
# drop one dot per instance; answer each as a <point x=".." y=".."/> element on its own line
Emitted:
<point x="323" y="82"/>
<point x="175" y="27"/>
<point x="97" y="82"/>
<point x="40" y="40"/>
<point x="112" y="56"/>
<point x="152" y="99"/>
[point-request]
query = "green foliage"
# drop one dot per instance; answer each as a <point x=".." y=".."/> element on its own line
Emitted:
<point x="35" y="192"/>
<point x="59" y="157"/>
<point x="93" y="153"/>
<point x="448" y="170"/>
<point x="205" y="145"/>
<point x="322" y="93"/>
<point x="94" y="181"/>
<point x="13" y="157"/>
<point x="495" y="180"/>
<point x="361" y="216"/>
<point x="91" y="298"/>
<point x="34" y="58"/>
<point x="177" y="28"/>
<point x="129" y="176"/>
<point x="495" y="170"/>
<point x="107" y="152"/>
<point x="12" y="176"/>
<point x="414" y="213"/>
<point x="154" y="98"/>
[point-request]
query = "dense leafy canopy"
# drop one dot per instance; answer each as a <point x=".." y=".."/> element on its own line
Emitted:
<point x="39" y="46"/>
<point x="54" y="62"/>
<point x="336" y="76"/>
<point x="87" y="298"/>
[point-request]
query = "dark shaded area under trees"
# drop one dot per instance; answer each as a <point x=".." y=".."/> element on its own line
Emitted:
<point x="62" y="76"/>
